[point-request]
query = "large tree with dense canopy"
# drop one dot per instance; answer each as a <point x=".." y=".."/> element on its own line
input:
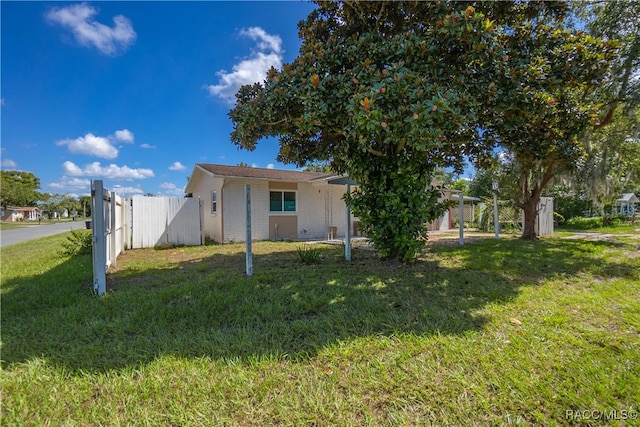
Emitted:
<point x="387" y="92"/>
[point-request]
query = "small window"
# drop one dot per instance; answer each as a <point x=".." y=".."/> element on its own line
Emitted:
<point x="282" y="201"/>
<point x="214" y="202"/>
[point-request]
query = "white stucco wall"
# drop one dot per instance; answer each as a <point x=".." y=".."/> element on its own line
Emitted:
<point x="212" y="222"/>
<point x="319" y="206"/>
<point x="234" y="211"/>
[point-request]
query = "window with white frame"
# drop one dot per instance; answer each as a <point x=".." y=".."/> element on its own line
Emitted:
<point x="214" y="202"/>
<point x="282" y="201"/>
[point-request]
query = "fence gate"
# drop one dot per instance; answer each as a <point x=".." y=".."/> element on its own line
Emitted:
<point x="144" y="222"/>
<point x="110" y="232"/>
<point x="164" y="220"/>
<point x="544" y="223"/>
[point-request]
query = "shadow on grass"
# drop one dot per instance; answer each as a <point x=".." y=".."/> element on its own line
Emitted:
<point x="202" y="305"/>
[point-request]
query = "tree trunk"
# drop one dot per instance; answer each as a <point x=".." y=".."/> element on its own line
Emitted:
<point x="530" y="208"/>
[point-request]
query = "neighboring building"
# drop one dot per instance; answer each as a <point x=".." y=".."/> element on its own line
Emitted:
<point x="15" y="213"/>
<point x="451" y="214"/>
<point x="284" y="204"/>
<point x="628" y="204"/>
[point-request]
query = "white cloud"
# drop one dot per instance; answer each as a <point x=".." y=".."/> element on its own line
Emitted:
<point x="91" y="145"/>
<point x="177" y="166"/>
<point x="124" y="135"/>
<point x="251" y="69"/>
<point x="96" y="170"/>
<point x="78" y="18"/>
<point x="67" y="183"/>
<point x="98" y="146"/>
<point x="8" y="164"/>
<point x="270" y="166"/>
<point x="127" y="191"/>
<point x="265" y="40"/>
<point x="170" y="189"/>
<point x="147" y="146"/>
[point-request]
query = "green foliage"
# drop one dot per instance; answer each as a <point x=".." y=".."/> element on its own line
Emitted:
<point x="322" y="167"/>
<point x="387" y="92"/>
<point x="78" y="242"/>
<point x="481" y="184"/>
<point x="401" y="208"/>
<point x="558" y="218"/>
<point x="461" y="185"/>
<point x="549" y="80"/>
<point x="581" y="223"/>
<point x="308" y="255"/>
<point x="19" y="188"/>
<point x="571" y="206"/>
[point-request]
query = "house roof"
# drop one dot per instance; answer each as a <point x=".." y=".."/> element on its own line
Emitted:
<point x="628" y="197"/>
<point x="262" y="173"/>
<point x="23" y="209"/>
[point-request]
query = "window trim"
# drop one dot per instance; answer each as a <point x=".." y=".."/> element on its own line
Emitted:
<point x="282" y="192"/>
<point x="214" y="202"/>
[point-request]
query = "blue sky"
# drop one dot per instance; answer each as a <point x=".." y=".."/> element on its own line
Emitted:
<point x="133" y="93"/>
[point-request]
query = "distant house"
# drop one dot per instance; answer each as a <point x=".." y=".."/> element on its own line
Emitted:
<point x="627" y="204"/>
<point x="284" y="204"/>
<point x="16" y="213"/>
<point x="452" y="214"/>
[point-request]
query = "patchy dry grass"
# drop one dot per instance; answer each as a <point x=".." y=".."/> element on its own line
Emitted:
<point x="497" y="332"/>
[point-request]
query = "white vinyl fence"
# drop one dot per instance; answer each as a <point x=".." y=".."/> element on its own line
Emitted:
<point x="142" y="222"/>
<point x="110" y="231"/>
<point x="544" y="222"/>
<point x="163" y="220"/>
<point x="512" y="218"/>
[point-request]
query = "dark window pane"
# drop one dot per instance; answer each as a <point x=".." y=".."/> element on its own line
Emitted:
<point x="289" y="201"/>
<point x="275" y="201"/>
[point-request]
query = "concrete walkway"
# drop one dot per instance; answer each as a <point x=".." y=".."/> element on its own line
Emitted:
<point x="23" y="234"/>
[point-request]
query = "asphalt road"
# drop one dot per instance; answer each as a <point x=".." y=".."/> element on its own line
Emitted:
<point x="22" y="234"/>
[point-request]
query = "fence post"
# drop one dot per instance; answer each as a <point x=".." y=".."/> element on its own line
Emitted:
<point x="249" y="254"/>
<point x="98" y="238"/>
<point x="347" y="231"/>
<point x="461" y="216"/>
<point x="113" y="237"/>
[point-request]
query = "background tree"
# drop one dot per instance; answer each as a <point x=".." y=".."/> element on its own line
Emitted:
<point x="549" y="78"/>
<point x="19" y="188"/>
<point x="443" y="177"/>
<point x="612" y="150"/>
<point x="611" y="164"/>
<point x="461" y="184"/>
<point x="385" y="92"/>
<point x="84" y="203"/>
<point x="322" y="167"/>
<point x="52" y="204"/>
<point x="616" y="20"/>
<point x="481" y="184"/>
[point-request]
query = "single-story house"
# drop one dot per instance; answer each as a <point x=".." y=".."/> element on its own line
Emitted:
<point x="628" y="204"/>
<point x="16" y="213"/>
<point x="285" y="204"/>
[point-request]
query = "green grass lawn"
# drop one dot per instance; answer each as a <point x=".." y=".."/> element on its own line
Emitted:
<point x="594" y="224"/>
<point x="9" y="225"/>
<point x="12" y="225"/>
<point x="496" y="332"/>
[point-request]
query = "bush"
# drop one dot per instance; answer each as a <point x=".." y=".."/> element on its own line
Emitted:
<point x="308" y="255"/>
<point x="580" y="223"/>
<point x="559" y="219"/>
<point x="572" y="207"/>
<point x="80" y="242"/>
